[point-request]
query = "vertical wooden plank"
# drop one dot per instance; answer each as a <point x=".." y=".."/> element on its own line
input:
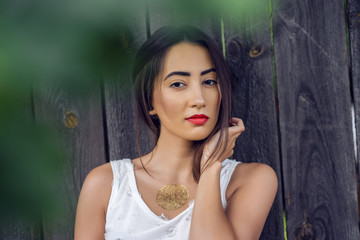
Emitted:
<point x="315" y="120"/>
<point x="354" y="45"/>
<point x="249" y="54"/>
<point x="78" y="122"/>
<point x="119" y="95"/>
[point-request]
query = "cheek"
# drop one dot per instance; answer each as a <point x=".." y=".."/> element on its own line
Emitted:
<point x="216" y="100"/>
<point x="168" y="106"/>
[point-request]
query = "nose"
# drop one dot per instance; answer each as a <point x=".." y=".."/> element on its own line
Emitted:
<point x="197" y="99"/>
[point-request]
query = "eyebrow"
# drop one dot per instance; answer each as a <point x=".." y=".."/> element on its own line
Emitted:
<point x="187" y="74"/>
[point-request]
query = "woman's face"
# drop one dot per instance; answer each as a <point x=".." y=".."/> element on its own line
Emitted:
<point x="186" y="93"/>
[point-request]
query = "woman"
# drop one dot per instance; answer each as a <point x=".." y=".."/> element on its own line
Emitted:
<point x="185" y="187"/>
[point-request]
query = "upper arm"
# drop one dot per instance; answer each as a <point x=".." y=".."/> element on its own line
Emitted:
<point x="251" y="202"/>
<point x="91" y="208"/>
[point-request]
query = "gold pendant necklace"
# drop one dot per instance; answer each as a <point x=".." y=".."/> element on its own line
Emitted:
<point x="172" y="196"/>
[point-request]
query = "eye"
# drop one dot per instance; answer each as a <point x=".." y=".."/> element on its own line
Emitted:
<point x="177" y="85"/>
<point x="210" y="82"/>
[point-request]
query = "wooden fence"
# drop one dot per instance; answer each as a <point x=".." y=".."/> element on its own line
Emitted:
<point x="296" y="82"/>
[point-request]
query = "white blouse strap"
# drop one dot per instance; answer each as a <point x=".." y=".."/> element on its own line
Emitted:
<point x="228" y="167"/>
<point x="119" y="167"/>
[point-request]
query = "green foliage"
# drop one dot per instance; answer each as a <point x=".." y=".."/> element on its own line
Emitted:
<point x="30" y="166"/>
<point x="284" y="222"/>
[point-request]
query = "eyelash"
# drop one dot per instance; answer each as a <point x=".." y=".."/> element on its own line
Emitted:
<point x="213" y="82"/>
<point x="173" y="85"/>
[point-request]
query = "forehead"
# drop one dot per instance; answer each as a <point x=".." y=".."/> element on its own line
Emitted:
<point x="189" y="57"/>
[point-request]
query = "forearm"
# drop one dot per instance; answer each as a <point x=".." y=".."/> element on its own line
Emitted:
<point x="209" y="220"/>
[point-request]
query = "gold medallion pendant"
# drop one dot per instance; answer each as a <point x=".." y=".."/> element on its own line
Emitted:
<point x="172" y="196"/>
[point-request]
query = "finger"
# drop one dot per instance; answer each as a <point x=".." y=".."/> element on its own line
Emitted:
<point x="238" y="122"/>
<point x="234" y="137"/>
<point x="236" y="130"/>
<point x="235" y="120"/>
<point x="237" y="126"/>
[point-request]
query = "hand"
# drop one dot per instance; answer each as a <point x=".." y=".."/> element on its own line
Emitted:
<point x="234" y="131"/>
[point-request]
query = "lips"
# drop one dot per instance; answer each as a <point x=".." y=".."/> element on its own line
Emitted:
<point x="198" y="119"/>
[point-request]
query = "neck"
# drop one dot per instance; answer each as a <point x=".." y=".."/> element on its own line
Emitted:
<point x="172" y="158"/>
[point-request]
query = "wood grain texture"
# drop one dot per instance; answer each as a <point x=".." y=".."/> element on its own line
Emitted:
<point x="315" y="120"/>
<point x="354" y="44"/>
<point x="119" y="98"/>
<point x="248" y="52"/>
<point x="79" y="125"/>
<point x="20" y="230"/>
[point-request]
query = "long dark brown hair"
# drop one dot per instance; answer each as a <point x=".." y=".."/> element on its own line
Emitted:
<point x="148" y="64"/>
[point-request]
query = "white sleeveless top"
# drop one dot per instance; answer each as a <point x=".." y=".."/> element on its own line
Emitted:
<point x="129" y="218"/>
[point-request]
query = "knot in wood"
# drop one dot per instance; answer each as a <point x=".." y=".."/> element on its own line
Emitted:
<point x="256" y="50"/>
<point x="234" y="49"/>
<point x="304" y="232"/>
<point x="70" y="119"/>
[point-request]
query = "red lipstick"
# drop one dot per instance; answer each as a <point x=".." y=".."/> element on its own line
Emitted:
<point x="198" y="119"/>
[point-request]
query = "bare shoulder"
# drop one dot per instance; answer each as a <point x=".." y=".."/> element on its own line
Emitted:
<point x="97" y="178"/>
<point x="98" y="183"/>
<point x="253" y="174"/>
<point x="99" y="175"/>
<point x="92" y="203"/>
<point x="254" y="187"/>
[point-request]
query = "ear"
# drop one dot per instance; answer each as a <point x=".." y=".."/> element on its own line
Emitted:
<point x="152" y="112"/>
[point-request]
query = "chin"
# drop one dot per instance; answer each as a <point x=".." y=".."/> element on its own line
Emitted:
<point x="198" y="137"/>
<point x="200" y="134"/>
